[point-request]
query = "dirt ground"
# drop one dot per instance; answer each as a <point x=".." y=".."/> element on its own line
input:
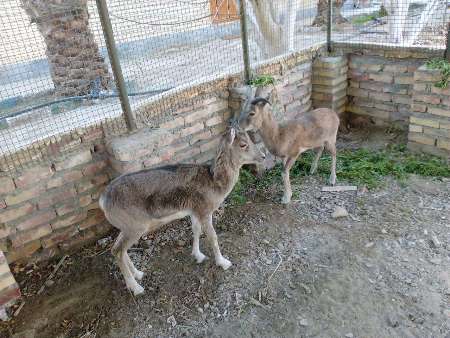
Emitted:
<point x="382" y="271"/>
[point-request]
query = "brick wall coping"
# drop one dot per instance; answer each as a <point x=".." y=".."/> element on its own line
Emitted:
<point x="390" y="50"/>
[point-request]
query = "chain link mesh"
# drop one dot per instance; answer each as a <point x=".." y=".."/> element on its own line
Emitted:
<point x="56" y="77"/>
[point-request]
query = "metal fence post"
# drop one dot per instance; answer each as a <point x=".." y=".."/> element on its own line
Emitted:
<point x="329" y="23"/>
<point x="115" y="63"/>
<point x="244" y="39"/>
<point x="447" y="45"/>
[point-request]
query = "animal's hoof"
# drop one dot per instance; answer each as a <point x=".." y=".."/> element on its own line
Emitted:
<point x="286" y="200"/>
<point x="223" y="263"/>
<point x="199" y="258"/>
<point x="332" y="180"/>
<point x="139" y="275"/>
<point x="137" y="290"/>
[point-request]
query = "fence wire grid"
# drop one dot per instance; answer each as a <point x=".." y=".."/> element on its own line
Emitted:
<point x="56" y="75"/>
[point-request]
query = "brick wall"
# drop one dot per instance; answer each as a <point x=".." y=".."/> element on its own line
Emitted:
<point x="381" y="81"/>
<point x="329" y="87"/>
<point x="51" y="206"/>
<point x="429" y="128"/>
<point x="381" y="87"/>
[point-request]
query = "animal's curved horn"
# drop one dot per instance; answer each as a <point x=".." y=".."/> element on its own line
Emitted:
<point x="258" y="100"/>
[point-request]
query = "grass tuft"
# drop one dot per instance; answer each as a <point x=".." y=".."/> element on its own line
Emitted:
<point x="444" y="66"/>
<point x="359" y="167"/>
<point x="262" y="80"/>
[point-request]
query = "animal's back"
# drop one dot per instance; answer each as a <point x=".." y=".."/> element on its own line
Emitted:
<point x="150" y="189"/>
<point x="311" y="130"/>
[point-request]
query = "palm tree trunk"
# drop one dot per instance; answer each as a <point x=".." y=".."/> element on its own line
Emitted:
<point x="76" y="65"/>
<point x="322" y="13"/>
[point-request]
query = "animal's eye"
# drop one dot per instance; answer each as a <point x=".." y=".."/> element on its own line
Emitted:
<point x="243" y="145"/>
<point x="252" y="113"/>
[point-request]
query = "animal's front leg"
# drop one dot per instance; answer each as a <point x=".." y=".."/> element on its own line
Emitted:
<point x="288" y="163"/>
<point x="212" y="237"/>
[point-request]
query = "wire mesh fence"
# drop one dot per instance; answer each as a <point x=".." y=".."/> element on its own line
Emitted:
<point x="56" y="75"/>
<point x="392" y="23"/>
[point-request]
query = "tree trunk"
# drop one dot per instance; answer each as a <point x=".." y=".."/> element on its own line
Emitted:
<point x="76" y="65"/>
<point x="322" y="13"/>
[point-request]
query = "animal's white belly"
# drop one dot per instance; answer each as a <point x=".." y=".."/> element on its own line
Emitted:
<point x="173" y="217"/>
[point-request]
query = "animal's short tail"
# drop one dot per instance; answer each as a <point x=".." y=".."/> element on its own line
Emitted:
<point x="101" y="201"/>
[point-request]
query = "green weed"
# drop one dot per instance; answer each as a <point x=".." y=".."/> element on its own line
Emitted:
<point x="360" y="167"/>
<point x="262" y="80"/>
<point x="362" y="19"/>
<point x="444" y="66"/>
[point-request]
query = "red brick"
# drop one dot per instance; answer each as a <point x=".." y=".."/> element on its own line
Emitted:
<point x="427" y="98"/>
<point x="73" y="160"/>
<point x="23" y="252"/>
<point x="24" y="195"/>
<point x="8" y="295"/>
<point x="76" y="242"/>
<point x="172" y="124"/>
<point x="65" y="178"/>
<point x="55" y="197"/>
<point x="21" y="238"/>
<point x="94" y="168"/>
<point x="93" y="134"/>
<point x="6" y="185"/>
<point x="58" y="237"/>
<point x="6" y="230"/>
<point x="36" y="219"/>
<point x="192" y="130"/>
<point x="67" y="221"/>
<point x="10" y="214"/>
<point x="214" y="121"/>
<point x="68" y="207"/>
<point x="96" y="217"/>
<point x="33" y="175"/>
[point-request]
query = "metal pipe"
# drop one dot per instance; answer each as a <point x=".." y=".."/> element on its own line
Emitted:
<point x="329" y="23"/>
<point x="244" y="39"/>
<point x="115" y="63"/>
<point x="447" y="46"/>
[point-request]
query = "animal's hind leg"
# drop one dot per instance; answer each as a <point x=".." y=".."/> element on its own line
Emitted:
<point x="126" y="242"/>
<point x="316" y="160"/>
<point x="135" y="272"/>
<point x="331" y="147"/>
<point x="197" y="231"/>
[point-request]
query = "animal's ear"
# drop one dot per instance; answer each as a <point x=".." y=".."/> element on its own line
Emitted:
<point x="260" y="101"/>
<point x="231" y="135"/>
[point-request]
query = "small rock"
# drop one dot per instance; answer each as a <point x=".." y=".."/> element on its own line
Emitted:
<point x="181" y="242"/>
<point x="392" y="321"/>
<point x="199" y="309"/>
<point x="435" y="261"/>
<point x="339" y="212"/>
<point x="265" y="241"/>
<point x="49" y="283"/>
<point x="39" y="323"/>
<point x="384" y="231"/>
<point x="425" y="231"/>
<point x="25" y="334"/>
<point x="103" y="241"/>
<point x="3" y="314"/>
<point x="171" y="320"/>
<point x="369" y="245"/>
<point x="304" y="322"/>
<point x="349" y="335"/>
<point x="435" y="241"/>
